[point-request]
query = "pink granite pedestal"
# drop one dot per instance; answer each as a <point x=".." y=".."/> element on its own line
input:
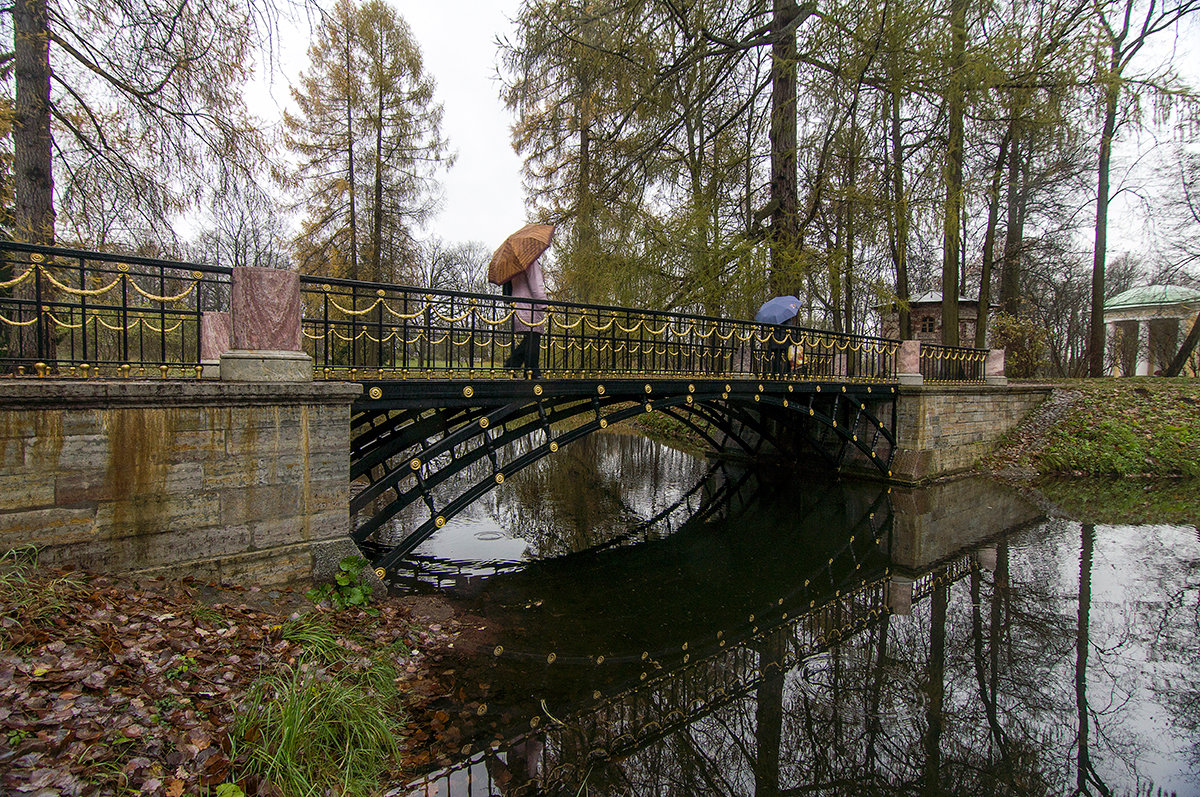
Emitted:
<point x="265" y="328"/>
<point x="908" y="363"/>
<point x="993" y="368"/>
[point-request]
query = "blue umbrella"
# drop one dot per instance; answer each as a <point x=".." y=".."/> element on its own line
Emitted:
<point x="779" y="310"/>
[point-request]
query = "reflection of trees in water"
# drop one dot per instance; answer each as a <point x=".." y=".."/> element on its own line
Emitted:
<point x="586" y="494"/>
<point x="593" y="491"/>
<point x="1176" y="639"/>
<point x="1023" y="678"/>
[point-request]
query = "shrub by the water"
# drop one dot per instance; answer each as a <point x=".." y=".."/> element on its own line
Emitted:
<point x="347" y="588"/>
<point x="1024" y="344"/>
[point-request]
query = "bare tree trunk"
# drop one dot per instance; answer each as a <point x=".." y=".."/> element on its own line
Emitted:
<point x="33" y="216"/>
<point x="1010" y="273"/>
<point x="989" y="244"/>
<point x="1096" y="330"/>
<point x="953" y="174"/>
<point x="377" y="225"/>
<point x="32" y="172"/>
<point x="900" y="251"/>
<point x="1185" y="350"/>
<point x="835" y="270"/>
<point x="785" y="201"/>
<point x="353" y="187"/>
<point x="851" y="180"/>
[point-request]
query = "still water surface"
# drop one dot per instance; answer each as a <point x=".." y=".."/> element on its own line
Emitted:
<point x="658" y="624"/>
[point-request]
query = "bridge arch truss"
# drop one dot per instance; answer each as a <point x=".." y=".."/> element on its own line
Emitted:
<point x="435" y="448"/>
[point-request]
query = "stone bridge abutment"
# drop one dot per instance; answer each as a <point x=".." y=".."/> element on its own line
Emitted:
<point x="233" y="482"/>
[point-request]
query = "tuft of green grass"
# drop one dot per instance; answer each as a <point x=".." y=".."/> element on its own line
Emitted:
<point x="310" y="731"/>
<point x="317" y="638"/>
<point x="27" y="594"/>
<point x="207" y="614"/>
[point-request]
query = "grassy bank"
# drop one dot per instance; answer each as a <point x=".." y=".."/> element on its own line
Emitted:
<point x="1140" y="427"/>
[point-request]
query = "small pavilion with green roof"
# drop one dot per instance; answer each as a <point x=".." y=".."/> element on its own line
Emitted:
<point x="1143" y="327"/>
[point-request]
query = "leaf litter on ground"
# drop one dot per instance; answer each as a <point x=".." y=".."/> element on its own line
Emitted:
<point x="132" y="686"/>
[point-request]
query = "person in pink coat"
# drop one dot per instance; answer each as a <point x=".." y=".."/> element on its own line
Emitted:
<point x="528" y="317"/>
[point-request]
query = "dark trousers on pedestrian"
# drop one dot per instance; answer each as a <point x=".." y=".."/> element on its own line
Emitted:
<point x="777" y="359"/>
<point x="527" y="354"/>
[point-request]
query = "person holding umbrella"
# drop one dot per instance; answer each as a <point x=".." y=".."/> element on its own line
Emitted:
<point x="517" y="269"/>
<point x="778" y="311"/>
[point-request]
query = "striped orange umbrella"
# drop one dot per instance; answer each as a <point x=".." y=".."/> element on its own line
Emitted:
<point x="518" y="252"/>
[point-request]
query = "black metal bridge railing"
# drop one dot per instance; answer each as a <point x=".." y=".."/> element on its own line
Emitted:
<point x="79" y="313"/>
<point x="952" y="364"/>
<point x="383" y="331"/>
<point x="76" y="313"/>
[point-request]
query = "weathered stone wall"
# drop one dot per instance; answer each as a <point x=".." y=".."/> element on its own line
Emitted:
<point x="944" y="430"/>
<point x="236" y="482"/>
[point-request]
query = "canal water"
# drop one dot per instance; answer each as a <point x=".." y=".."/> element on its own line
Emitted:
<point x="654" y="623"/>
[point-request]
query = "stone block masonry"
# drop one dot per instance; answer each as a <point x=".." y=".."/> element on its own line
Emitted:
<point x="225" y="481"/>
<point x="943" y="430"/>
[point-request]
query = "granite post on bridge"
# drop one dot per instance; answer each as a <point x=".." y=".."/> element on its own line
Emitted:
<point x="908" y="363"/>
<point x="993" y="368"/>
<point x="265" y="328"/>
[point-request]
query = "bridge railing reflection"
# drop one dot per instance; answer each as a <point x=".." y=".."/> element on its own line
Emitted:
<point x="387" y="331"/>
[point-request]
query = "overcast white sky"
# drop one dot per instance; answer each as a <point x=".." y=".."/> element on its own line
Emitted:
<point x="483" y="197"/>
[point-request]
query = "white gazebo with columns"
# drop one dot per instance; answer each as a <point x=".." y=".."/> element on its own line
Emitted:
<point x="1142" y="327"/>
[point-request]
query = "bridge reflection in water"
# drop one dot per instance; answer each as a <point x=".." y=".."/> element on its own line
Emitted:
<point x="959" y="650"/>
<point x="606" y="661"/>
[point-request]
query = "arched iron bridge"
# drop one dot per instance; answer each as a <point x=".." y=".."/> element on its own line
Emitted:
<point x="442" y="419"/>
